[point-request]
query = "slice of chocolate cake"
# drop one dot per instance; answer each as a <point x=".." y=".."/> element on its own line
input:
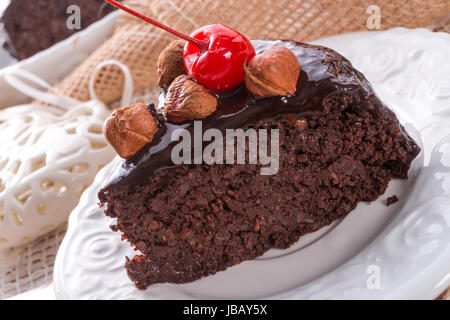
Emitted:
<point x="338" y="145"/>
<point x="35" y="25"/>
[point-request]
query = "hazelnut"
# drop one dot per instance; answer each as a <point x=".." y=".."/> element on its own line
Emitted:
<point x="187" y="100"/>
<point x="128" y="129"/>
<point x="273" y="72"/>
<point x="170" y="63"/>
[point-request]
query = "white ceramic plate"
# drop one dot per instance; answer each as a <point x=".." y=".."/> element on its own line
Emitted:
<point x="401" y="251"/>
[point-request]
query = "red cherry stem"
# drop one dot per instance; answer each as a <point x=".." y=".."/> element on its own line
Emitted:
<point x="203" y="45"/>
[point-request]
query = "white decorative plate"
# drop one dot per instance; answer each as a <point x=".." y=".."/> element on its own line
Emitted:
<point x="400" y="251"/>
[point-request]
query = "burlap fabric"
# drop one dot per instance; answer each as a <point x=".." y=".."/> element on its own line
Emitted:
<point x="137" y="44"/>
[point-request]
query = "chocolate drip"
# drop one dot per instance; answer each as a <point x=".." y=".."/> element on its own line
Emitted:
<point x="324" y="72"/>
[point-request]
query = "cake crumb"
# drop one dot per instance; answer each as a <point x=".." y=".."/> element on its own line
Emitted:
<point x="391" y="200"/>
<point x="301" y="124"/>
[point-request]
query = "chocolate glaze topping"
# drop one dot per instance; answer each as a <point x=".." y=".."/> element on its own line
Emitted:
<point x="323" y="73"/>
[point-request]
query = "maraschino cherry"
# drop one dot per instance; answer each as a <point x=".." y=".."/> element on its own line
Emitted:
<point x="214" y="55"/>
<point x="220" y="68"/>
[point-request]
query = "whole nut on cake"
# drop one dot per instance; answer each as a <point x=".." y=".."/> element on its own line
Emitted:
<point x="170" y="63"/>
<point x="188" y="100"/>
<point x="273" y="72"/>
<point x="128" y="129"/>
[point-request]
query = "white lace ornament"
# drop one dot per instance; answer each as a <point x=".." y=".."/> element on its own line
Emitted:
<point x="48" y="156"/>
